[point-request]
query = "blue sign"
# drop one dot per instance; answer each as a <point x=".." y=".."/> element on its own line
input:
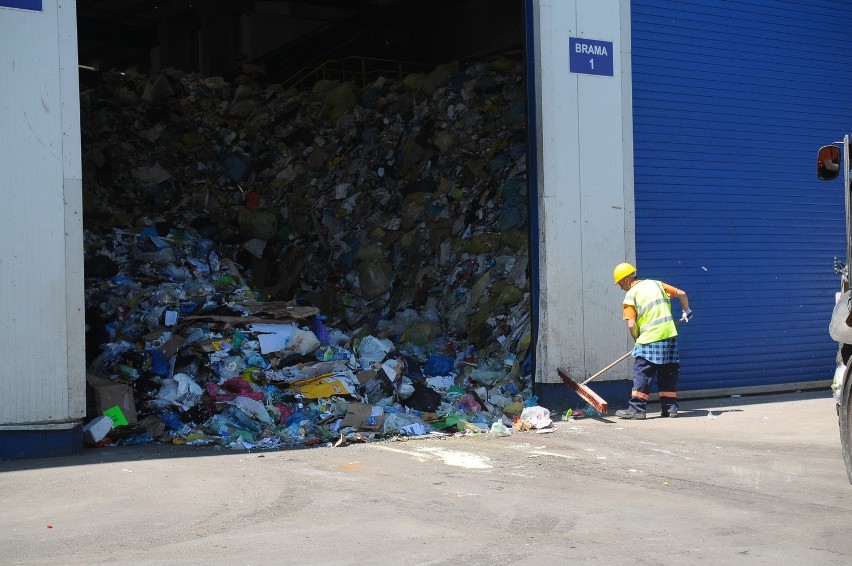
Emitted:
<point x="22" y="4"/>
<point x="590" y="57"/>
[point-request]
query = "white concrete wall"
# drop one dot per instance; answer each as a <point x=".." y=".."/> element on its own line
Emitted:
<point x="42" y="358"/>
<point x="585" y="192"/>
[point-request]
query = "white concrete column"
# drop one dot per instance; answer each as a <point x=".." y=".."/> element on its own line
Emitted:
<point x="42" y="328"/>
<point x="585" y="183"/>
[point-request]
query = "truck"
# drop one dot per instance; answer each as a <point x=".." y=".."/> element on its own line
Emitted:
<point x="832" y="160"/>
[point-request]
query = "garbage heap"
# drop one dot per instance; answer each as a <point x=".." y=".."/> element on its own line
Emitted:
<point x="270" y="266"/>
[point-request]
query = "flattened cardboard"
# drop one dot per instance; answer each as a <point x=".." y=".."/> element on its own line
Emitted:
<point x="366" y="375"/>
<point x="171" y="346"/>
<point x="321" y="388"/>
<point x="363" y="416"/>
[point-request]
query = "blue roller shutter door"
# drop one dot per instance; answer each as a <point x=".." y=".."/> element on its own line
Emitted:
<point x="730" y="102"/>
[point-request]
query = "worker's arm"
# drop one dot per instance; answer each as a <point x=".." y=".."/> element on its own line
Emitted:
<point x="629" y="315"/>
<point x="684" y="300"/>
<point x="682" y="297"/>
<point x="631" y="326"/>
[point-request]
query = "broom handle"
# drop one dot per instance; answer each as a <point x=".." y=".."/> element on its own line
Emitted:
<point x="616" y="362"/>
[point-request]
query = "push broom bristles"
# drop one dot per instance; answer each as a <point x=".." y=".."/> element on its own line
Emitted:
<point x="585" y="392"/>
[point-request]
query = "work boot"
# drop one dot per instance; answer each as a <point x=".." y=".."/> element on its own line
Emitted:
<point x="629" y="414"/>
<point x="670" y="412"/>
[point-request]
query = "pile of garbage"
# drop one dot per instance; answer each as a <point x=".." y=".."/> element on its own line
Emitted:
<point x="271" y="267"/>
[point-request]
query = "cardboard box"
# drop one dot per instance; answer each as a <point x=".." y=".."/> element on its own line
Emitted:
<point x="108" y="394"/>
<point x="363" y="416"/>
<point x="97" y="429"/>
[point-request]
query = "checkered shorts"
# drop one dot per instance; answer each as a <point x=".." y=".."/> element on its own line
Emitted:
<point x="660" y="352"/>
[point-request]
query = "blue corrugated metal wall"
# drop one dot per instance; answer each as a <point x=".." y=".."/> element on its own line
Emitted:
<point x="731" y="100"/>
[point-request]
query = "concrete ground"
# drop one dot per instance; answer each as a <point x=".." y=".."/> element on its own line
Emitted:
<point x="750" y="480"/>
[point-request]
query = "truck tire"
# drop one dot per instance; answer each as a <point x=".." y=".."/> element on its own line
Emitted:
<point x="845" y="417"/>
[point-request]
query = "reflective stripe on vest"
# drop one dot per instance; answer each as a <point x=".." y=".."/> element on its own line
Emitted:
<point x="653" y="312"/>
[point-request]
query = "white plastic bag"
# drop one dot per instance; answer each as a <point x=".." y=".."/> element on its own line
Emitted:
<point x="538" y="417"/>
<point x="180" y="391"/>
<point x="372" y="349"/>
<point x="252" y="408"/>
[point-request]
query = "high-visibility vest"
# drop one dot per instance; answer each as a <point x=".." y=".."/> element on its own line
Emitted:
<point x="653" y="311"/>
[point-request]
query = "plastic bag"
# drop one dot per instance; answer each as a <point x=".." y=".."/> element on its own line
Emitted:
<point x="438" y="365"/>
<point x="253" y="408"/>
<point x="180" y="391"/>
<point x="302" y="341"/>
<point x="372" y="349"/>
<point x="500" y="429"/>
<point x="537" y="417"/>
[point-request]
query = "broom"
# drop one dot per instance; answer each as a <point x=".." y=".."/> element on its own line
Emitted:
<point x="585" y="392"/>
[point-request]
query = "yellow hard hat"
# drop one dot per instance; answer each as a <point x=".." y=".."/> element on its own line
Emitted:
<point x="621" y="271"/>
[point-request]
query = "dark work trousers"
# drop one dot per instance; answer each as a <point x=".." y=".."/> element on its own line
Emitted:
<point x="644" y="373"/>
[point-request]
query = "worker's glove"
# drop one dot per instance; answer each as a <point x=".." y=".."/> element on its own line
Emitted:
<point x="686" y="316"/>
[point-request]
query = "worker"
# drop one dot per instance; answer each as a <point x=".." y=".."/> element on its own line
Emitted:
<point x="647" y="310"/>
<point x="829" y="159"/>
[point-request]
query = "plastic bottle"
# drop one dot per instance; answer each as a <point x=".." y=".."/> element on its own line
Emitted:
<point x="136" y="439"/>
<point x="320" y="330"/>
